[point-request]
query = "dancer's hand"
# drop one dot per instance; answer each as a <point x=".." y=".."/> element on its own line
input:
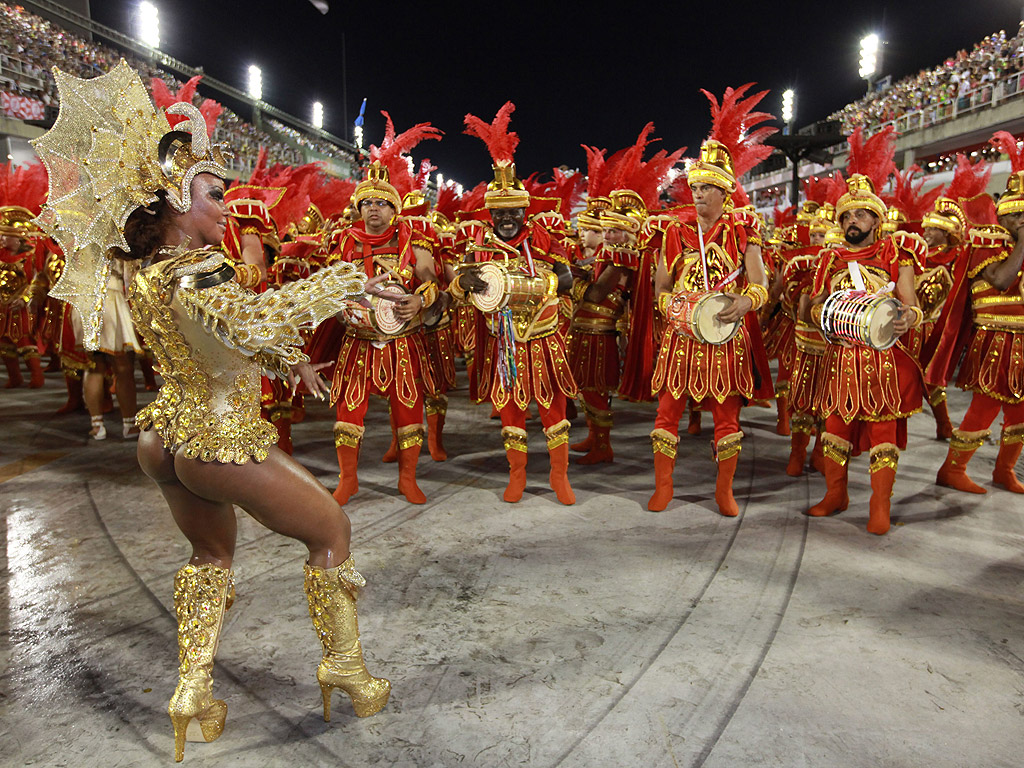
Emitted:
<point x="901" y="324"/>
<point x="309" y="376"/>
<point x="734" y="312"/>
<point x="408" y="307"/>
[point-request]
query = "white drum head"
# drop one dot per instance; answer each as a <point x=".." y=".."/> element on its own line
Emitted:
<point x="492" y="298"/>
<point x="709" y="327"/>
<point x="385" y="319"/>
<point x="880" y="328"/>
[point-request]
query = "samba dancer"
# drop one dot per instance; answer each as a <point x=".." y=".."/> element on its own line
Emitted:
<point x="203" y="441"/>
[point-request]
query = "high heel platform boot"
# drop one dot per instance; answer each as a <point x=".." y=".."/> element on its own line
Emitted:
<point x="332" y="596"/>
<point x="200" y="599"/>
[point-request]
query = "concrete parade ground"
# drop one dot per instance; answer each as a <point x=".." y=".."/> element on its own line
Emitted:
<point x="529" y="634"/>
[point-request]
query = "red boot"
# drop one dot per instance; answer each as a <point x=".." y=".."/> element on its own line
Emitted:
<point x="1004" y="474"/>
<point x="943" y="427"/>
<point x="693" y="428"/>
<point x="953" y="472"/>
<point x="35" y="367"/>
<point x="515" y="450"/>
<point x="346" y="440"/>
<point x="818" y="456"/>
<point x="601" y="452"/>
<point x="74" y="386"/>
<point x="410" y="440"/>
<point x="797" y="453"/>
<point x="884" y="460"/>
<point x="558" y="451"/>
<point x="782" y="426"/>
<point x="391" y="454"/>
<point x="586" y="444"/>
<point x="664" y="445"/>
<point x="14" y="377"/>
<point x="837" y="455"/>
<point x="436" y="411"/>
<point x="727" y="452"/>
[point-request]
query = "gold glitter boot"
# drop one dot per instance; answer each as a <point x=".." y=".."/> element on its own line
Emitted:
<point x="332" y="596"/>
<point x="200" y="599"/>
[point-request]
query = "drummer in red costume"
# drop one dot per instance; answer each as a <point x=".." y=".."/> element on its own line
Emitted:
<point x="520" y="351"/>
<point x="714" y="250"/>
<point x="867" y="393"/>
<point x="993" y="368"/>
<point x="392" y="364"/>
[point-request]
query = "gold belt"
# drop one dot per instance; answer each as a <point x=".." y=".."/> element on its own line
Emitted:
<point x="369" y="334"/>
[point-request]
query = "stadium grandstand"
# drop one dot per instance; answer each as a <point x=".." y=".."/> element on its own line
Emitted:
<point x="32" y="45"/>
<point x="937" y="113"/>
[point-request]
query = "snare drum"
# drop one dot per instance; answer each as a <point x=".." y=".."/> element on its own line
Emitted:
<point x="864" y="319"/>
<point x="510" y="289"/>
<point x="694" y="314"/>
<point x="382" y="311"/>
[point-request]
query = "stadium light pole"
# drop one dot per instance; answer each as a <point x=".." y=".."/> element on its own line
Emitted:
<point x="788" y="108"/>
<point x="149" y="24"/>
<point x="870" y="50"/>
<point x="256" y="92"/>
<point x="318" y="115"/>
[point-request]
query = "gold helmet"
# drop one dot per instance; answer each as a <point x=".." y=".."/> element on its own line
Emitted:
<point x="948" y="216"/>
<point x="377" y="186"/>
<point x="627" y="211"/>
<point x="18" y="221"/>
<point x="713" y="167"/>
<point x="860" y="193"/>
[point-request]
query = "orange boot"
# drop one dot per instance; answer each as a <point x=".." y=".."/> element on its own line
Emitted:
<point x="693" y="428"/>
<point x="515" y="450"/>
<point x="782" y="426"/>
<point x="436" y="409"/>
<point x="727" y="452"/>
<point x="818" y="455"/>
<point x="884" y="459"/>
<point x="937" y="400"/>
<point x="558" y="451"/>
<point x="586" y="444"/>
<point x="601" y="448"/>
<point x="35" y="367"/>
<point x="346" y="440"/>
<point x="837" y="457"/>
<point x="410" y="440"/>
<point x="74" y="385"/>
<point x="797" y="451"/>
<point x="391" y="454"/>
<point x="13" y="365"/>
<point x="1009" y="451"/>
<point x="953" y="472"/>
<point x="664" y="445"/>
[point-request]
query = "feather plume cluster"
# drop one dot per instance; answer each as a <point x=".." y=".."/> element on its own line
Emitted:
<point x="908" y="197"/>
<point x="163" y="98"/>
<point x="25" y="186"/>
<point x="393" y="154"/>
<point x="627" y="169"/>
<point x="501" y="143"/>
<point x="735" y="123"/>
<point x="873" y="157"/>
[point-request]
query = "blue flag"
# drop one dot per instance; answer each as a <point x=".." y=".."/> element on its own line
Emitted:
<point x="362" y="111"/>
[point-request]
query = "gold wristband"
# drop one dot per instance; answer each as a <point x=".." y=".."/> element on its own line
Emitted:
<point x="456" y="290"/>
<point x="247" y="275"/>
<point x="816" y="311"/>
<point x="757" y="294"/>
<point x="918" y="314"/>
<point x="428" y="293"/>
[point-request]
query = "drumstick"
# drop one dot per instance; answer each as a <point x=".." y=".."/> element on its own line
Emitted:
<point x="703" y="256"/>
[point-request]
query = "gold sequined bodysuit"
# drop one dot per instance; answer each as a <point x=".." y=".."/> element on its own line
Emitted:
<point x="211" y="338"/>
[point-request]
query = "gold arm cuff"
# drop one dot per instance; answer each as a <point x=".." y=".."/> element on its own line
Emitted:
<point x="456" y="289"/>
<point x="428" y="292"/>
<point x="918" y="314"/>
<point x="757" y="294"/>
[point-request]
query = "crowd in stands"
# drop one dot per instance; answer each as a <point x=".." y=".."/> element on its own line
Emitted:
<point x="30" y="46"/>
<point x="961" y="81"/>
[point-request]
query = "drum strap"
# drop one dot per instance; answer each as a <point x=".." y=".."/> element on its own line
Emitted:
<point x="529" y="259"/>
<point x="856" y="276"/>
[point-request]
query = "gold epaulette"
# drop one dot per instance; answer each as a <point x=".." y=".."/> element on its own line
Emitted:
<point x="746" y="217"/>
<point x="988" y="236"/>
<point x="798" y="264"/>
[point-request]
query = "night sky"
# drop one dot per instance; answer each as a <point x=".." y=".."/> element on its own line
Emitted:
<point x="591" y="73"/>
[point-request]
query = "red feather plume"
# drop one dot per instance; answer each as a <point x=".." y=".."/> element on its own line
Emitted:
<point x="783" y="217"/>
<point x="908" y="197"/>
<point x="500" y="142"/>
<point x="163" y="98"/>
<point x="447" y="201"/>
<point x="393" y="152"/>
<point x="968" y="187"/>
<point x="735" y="124"/>
<point x="1006" y="143"/>
<point x="874" y="157"/>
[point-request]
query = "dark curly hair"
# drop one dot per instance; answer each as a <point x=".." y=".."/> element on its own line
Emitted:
<point x="145" y="230"/>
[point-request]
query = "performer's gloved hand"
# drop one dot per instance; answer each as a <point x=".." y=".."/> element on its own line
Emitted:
<point x="308" y="374"/>
<point x="740" y="306"/>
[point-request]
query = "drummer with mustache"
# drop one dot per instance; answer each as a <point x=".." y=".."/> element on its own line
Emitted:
<point x="866" y="394"/>
<point x="717" y="251"/>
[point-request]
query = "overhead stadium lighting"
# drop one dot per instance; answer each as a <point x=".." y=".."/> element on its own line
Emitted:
<point x="869" y="47"/>
<point x="149" y="24"/>
<point x="255" y="82"/>
<point x="788" y="98"/>
<point x="318" y="115"/>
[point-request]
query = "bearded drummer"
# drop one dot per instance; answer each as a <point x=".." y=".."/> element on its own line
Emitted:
<point x="866" y="394"/>
<point x="520" y="351"/>
<point x="391" y="364"/>
<point x="716" y="250"/>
